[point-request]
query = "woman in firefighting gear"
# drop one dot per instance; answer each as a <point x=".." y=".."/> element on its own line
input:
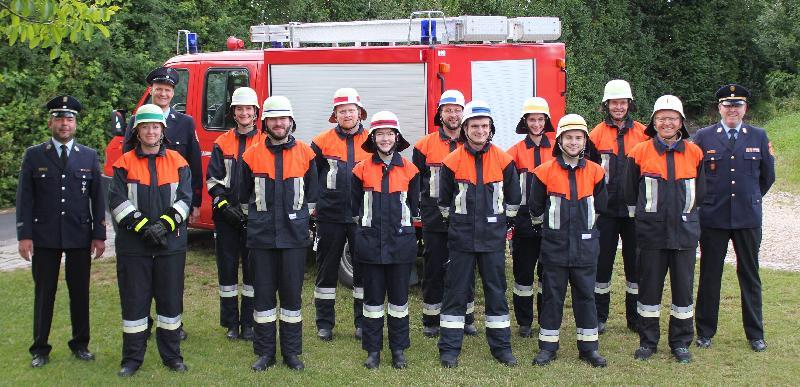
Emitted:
<point x="614" y="138"/>
<point x="222" y="179"/>
<point x="567" y="192"/>
<point x="279" y="185"/>
<point x="385" y="199"/>
<point x="531" y="152"/>
<point x="150" y="197"/>
<point x="428" y="154"/>
<point x="337" y="152"/>
<point x="665" y="182"/>
<point x="479" y="192"/>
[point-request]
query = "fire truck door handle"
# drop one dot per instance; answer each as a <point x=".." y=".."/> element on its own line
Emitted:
<point x="563" y="93"/>
<point x="441" y="82"/>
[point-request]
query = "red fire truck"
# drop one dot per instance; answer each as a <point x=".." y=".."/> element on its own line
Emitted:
<point x="402" y="65"/>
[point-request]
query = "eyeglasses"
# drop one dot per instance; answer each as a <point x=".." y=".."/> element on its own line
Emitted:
<point x="453" y="111"/>
<point x="663" y="120"/>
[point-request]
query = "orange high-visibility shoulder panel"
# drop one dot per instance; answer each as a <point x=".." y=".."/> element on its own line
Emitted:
<point x="462" y="163"/>
<point x="556" y="178"/>
<point x="371" y="173"/>
<point x="296" y="160"/>
<point x="138" y="171"/>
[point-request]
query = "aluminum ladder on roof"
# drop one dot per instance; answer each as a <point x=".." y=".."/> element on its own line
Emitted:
<point x="405" y="31"/>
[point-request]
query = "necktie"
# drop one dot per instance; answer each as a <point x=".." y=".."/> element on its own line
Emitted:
<point x="732" y="137"/>
<point x="63" y="156"/>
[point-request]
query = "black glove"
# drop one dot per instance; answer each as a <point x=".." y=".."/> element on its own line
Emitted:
<point x="233" y="215"/>
<point x="155" y="235"/>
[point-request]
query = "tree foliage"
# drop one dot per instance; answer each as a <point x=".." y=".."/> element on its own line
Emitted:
<point x="683" y="47"/>
<point x="48" y="23"/>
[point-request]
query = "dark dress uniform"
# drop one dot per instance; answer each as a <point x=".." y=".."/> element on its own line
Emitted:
<point x="427" y="156"/>
<point x="479" y="191"/>
<point x="148" y="189"/>
<point x="665" y="183"/>
<point x="616" y="221"/>
<point x="336" y="154"/>
<point x="279" y="185"/>
<point x="738" y="174"/>
<point x="385" y="199"/>
<point x="61" y="208"/>
<point x="568" y="198"/>
<point x="222" y="180"/>
<point x="527" y="239"/>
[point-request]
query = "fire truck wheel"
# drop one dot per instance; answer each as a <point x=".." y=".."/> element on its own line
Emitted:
<point x="346" y="267"/>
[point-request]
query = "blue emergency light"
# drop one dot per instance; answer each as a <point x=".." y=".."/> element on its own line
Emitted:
<point x="427" y="33"/>
<point x="193" y="42"/>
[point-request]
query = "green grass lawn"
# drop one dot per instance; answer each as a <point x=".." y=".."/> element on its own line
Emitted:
<point x="784" y="132"/>
<point x="213" y="360"/>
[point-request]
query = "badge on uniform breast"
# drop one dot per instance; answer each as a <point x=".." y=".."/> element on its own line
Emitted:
<point x="712" y="166"/>
<point x="83" y="187"/>
<point x="42" y="169"/>
<point x="756" y="150"/>
<point x="711" y="151"/>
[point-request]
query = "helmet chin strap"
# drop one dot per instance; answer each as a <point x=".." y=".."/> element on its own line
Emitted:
<point x="579" y="156"/>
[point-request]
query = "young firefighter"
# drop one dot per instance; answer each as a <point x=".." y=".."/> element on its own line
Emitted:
<point x="531" y="152"/>
<point x="479" y="192"/>
<point x="279" y="184"/>
<point x="337" y="152"/>
<point x="568" y="191"/>
<point x="428" y="154"/>
<point x="385" y="199"/>
<point x="150" y="197"/>
<point x="665" y="183"/>
<point x="222" y="179"/>
<point x="614" y="139"/>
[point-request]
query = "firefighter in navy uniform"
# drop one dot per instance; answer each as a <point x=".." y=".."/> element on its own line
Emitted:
<point x="53" y="221"/>
<point x="568" y="192"/>
<point x="181" y="136"/>
<point x="534" y="150"/>
<point x="279" y="185"/>
<point x="665" y="183"/>
<point x="338" y="150"/>
<point x="614" y="139"/>
<point x="428" y="154"/>
<point x="740" y="169"/>
<point x="222" y="180"/>
<point x="150" y="199"/>
<point x="479" y="192"/>
<point x="385" y="200"/>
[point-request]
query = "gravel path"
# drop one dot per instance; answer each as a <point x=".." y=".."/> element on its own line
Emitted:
<point x="780" y="246"/>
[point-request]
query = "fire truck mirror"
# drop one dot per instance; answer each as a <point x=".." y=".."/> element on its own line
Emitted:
<point x="117" y="124"/>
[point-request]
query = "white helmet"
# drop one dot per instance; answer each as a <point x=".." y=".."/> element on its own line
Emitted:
<point x="534" y="105"/>
<point x="345" y="96"/>
<point x="244" y="96"/>
<point x="617" y="89"/>
<point x="384" y="119"/>
<point x="453" y="97"/>
<point x="277" y="106"/>
<point x="571" y="122"/>
<point x="668" y="102"/>
<point x="476" y="108"/>
<point x="149" y="113"/>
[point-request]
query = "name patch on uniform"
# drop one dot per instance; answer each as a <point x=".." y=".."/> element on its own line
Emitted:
<point x="292" y="216"/>
<point x="586" y="236"/>
<point x="491" y="219"/>
<point x="711" y="151"/>
<point x="42" y="169"/>
<point x="85" y="170"/>
<point x="752" y="149"/>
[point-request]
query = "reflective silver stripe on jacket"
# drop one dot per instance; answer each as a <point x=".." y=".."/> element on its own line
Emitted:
<point x="461" y="198"/>
<point x="260" y="187"/>
<point x="554" y="213"/>
<point x="590" y="216"/>
<point x="173" y="192"/>
<point x="330" y="180"/>
<point x="433" y="181"/>
<point x="690" y="193"/>
<point x="226" y="181"/>
<point x="133" y="194"/>
<point x="299" y="193"/>
<point x="605" y="161"/>
<point x="523" y="179"/>
<point x="182" y="208"/>
<point x="497" y="197"/>
<point x="405" y="216"/>
<point x="366" y="220"/>
<point x="122" y="210"/>
<point x="650" y="194"/>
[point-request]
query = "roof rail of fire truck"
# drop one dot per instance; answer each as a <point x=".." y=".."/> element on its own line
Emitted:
<point x="425" y="27"/>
